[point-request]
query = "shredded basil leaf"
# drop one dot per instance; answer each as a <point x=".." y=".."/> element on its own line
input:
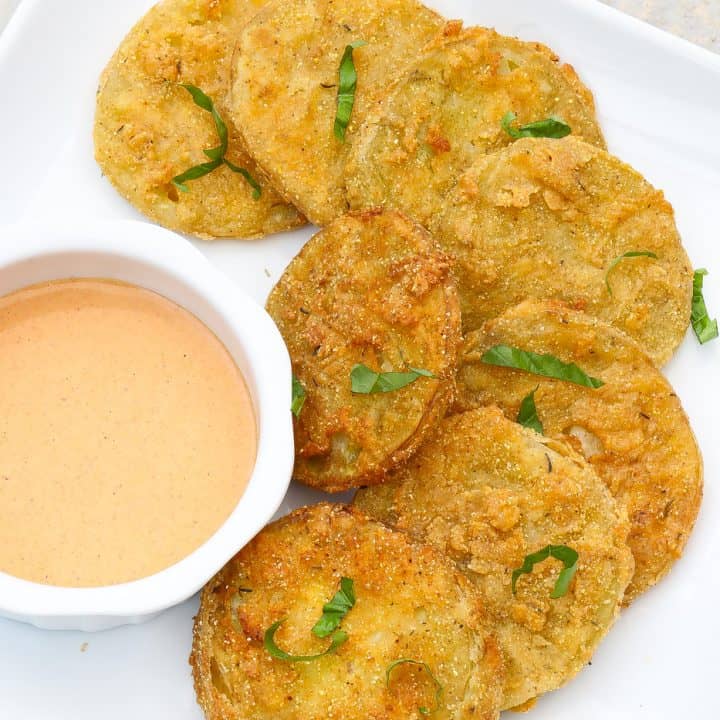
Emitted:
<point x="199" y="97"/>
<point x="438" y="686"/>
<point x="204" y="102"/>
<point x="620" y="258"/>
<point x="567" y="556"/>
<point x="527" y="416"/>
<point x="705" y="329"/>
<point x="335" y="610"/>
<point x="347" y="84"/>
<point x="333" y="614"/>
<point x="337" y="640"/>
<point x="193" y="173"/>
<point x="549" y="128"/>
<point x="365" y="381"/>
<point x="298" y="397"/>
<point x="216" y="154"/>
<point x="545" y="365"/>
<point x="251" y="181"/>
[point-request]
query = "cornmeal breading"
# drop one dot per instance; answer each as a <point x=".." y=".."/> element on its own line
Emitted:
<point x="446" y="110"/>
<point x="545" y="219"/>
<point x="285" y="86"/>
<point x="632" y="430"/>
<point x="148" y="130"/>
<point x="488" y="492"/>
<point x="371" y="288"/>
<point x="410" y="603"/>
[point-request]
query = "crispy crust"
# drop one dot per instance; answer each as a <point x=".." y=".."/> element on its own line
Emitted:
<point x="147" y="129"/>
<point x="370" y="288"/>
<point x="285" y="75"/>
<point x="487" y="492"/>
<point x="546" y="218"/>
<point x="445" y="112"/>
<point x="410" y="603"/>
<point x="633" y="429"/>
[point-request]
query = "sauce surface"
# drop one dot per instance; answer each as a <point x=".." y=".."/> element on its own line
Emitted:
<point x="127" y="433"/>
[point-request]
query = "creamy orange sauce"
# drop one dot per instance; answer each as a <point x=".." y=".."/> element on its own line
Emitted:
<point x="127" y="433"/>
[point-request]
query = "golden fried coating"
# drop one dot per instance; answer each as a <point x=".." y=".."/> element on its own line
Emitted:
<point x="546" y="219"/>
<point x="285" y="86"/>
<point x="446" y="111"/>
<point x="148" y="130"/>
<point x="410" y="603"/>
<point x="488" y="492"/>
<point x="371" y="288"/>
<point x="632" y="430"/>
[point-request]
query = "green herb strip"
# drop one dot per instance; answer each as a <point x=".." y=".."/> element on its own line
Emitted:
<point x="332" y="615"/>
<point x="194" y="173"/>
<point x="527" y="416"/>
<point x="438" y="686"/>
<point x="705" y="329"/>
<point x="347" y="84"/>
<point x="549" y="128"/>
<point x="269" y="642"/>
<point x="545" y="365"/>
<point x="624" y="256"/>
<point x="298" y="397"/>
<point x="216" y="154"/>
<point x="364" y="381"/>
<point x="251" y="181"/>
<point x="567" y="556"/>
<point x="335" y="610"/>
<point x="204" y="102"/>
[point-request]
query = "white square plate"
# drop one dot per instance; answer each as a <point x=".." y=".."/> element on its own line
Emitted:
<point x="659" y="104"/>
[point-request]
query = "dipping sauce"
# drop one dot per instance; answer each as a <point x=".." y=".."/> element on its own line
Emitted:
<point x="127" y="433"/>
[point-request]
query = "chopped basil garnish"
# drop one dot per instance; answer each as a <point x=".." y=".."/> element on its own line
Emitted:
<point x="347" y="84"/>
<point x="705" y="328"/>
<point x="298" y="397"/>
<point x="549" y="128"/>
<point x="216" y="154"/>
<point x="620" y="258"/>
<point x="333" y="614"/>
<point x="528" y="416"/>
<point x="567" y="556"/>
<point x="204" y="102"/>
<point x="438" y="686"/>
<point x="194" y="173"/>
<point x="365" y="381"/>
<point x="251" y="181"/>
<point x="545" y="365"/>
<point x="338" y="638"/>
<point x="335" y="610"/>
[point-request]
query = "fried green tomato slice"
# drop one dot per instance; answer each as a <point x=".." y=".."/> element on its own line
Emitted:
<point x="488" y="492"/>
<point x="446" y="111"/>
<point x="370" y="289"/>
<point x="410" y="603"/>
<point x="285" y="86"/>
<point x="552" y="219"/>
<point x="632" y="430"/>
<point x="148" y="129"/>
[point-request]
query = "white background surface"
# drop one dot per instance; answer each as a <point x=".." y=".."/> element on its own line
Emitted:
<point x="660" y="106"/>
<point x="6" y="9"/>
<point x="696" y="20"/>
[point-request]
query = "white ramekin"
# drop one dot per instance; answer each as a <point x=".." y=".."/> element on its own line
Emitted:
<point x="159" y="260"/>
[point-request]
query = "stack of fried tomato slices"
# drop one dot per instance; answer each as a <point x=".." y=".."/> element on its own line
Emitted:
<point x="476" y="336"/>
